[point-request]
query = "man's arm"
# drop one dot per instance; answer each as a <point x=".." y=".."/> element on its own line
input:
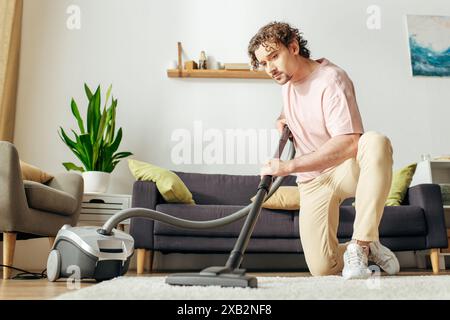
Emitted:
<point x="333" y="152"/>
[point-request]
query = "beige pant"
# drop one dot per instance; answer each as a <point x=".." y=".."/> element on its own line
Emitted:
<point x="368" y="179"/>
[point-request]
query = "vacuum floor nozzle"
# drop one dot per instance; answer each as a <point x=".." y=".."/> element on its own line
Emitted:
<point x="214" y="276"/>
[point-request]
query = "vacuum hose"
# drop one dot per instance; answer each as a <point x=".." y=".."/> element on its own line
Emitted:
<point x="189" y="224"/>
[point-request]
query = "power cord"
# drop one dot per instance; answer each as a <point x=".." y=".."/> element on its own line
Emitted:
<point x="27" y="275"/>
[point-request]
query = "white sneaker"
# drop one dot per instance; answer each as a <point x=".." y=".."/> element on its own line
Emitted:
<point x="355" y="263"/>
<point x="383" y="257"/>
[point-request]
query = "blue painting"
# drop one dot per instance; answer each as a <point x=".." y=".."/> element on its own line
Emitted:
<point x="429" y="45"/>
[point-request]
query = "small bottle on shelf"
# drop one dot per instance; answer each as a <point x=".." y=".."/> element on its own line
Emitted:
<point x="202" y="61"/>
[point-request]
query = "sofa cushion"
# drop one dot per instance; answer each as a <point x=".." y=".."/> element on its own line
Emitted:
<point x="397" y="221"/>
<point x="189" y="244"/>
<point x="271" y="223"/>
<point x="42" y="197"/>
<point x="224" y="189"/>
<point x="285" y="198"/>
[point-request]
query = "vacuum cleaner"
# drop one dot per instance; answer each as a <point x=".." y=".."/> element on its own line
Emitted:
<point x="104" y="253"/>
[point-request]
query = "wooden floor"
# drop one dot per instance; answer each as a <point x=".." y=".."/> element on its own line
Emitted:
<point x="42" y="289"/>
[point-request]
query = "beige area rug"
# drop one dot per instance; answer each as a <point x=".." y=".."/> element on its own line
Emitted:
<point x="272" y="288"/>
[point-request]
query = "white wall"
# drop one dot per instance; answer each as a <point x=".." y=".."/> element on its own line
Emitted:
<point x="131" y="44"/>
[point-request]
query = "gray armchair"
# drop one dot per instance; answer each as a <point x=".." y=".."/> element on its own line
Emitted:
<point x="31" y="210"/>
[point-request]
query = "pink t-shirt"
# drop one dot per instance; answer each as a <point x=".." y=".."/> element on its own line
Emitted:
<point x="319" y="107"/>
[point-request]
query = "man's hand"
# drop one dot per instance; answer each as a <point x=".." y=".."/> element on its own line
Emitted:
<point x="280" y="124"/>
<point x="275" y="167"/>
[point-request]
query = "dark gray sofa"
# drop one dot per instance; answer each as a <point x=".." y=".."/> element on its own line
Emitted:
<point x="417" y="224"/>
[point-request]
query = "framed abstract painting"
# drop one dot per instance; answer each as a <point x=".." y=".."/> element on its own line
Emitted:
<point x="429" y="45"/>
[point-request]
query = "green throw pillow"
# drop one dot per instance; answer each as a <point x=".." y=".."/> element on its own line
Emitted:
<point x="168" y="183"/>
<point x="401" y="179"/>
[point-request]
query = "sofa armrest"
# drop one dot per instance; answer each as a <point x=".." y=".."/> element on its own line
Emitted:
<point x="428" y="196"/>
<point x="145" y="195"/>
<point x="13" y="201"/>
<point x="71" y="183"/>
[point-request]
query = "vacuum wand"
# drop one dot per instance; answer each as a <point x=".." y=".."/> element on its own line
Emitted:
<point x="237" y="254"/>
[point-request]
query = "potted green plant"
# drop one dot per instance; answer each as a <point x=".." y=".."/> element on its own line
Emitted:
<point x="96" y="144"/>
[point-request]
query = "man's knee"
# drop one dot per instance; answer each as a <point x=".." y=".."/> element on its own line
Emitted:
<point x="376" y="143"/>
<point x="375" y="138"/>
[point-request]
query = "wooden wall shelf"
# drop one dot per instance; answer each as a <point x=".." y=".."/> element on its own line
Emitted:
<point x="236" y="74"/>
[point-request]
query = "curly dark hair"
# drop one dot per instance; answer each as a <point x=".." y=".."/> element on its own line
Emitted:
<point x="276" y="32"/>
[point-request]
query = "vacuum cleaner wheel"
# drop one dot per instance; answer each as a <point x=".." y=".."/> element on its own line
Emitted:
<point x="53" y="265"/>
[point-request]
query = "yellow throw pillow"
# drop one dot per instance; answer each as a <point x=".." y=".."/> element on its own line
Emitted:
<point x="168" y="183"/>
<point x="285" y="198"/>
<point x="33" y="173"/>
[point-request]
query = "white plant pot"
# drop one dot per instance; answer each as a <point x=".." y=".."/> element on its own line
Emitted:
<point x="96" y="181"/>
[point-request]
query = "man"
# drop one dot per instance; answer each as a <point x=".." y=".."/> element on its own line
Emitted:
<point x="334" y="159"/>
